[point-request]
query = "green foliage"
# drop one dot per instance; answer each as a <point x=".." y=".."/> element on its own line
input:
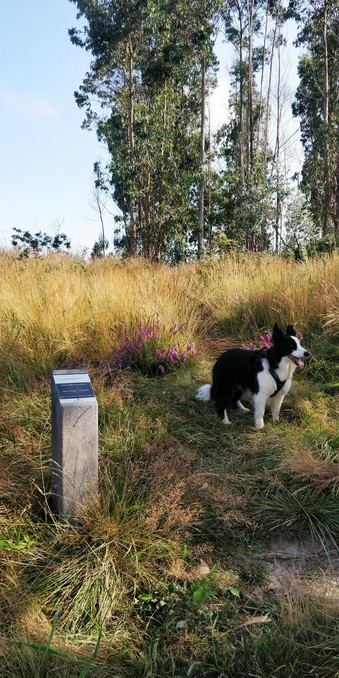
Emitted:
<point x="99" y="248"/>
<point x="17" y="544"/>
<point x="39" y="243"/>
<point x="316" y="133"/>
<point x="187" y="608"/>
<point x="143" y="96"/>
<point x="146" y="76"/>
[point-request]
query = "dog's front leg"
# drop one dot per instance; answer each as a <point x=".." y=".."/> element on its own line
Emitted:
<point x="276" y="403"/>
<point x="259" y="402"/>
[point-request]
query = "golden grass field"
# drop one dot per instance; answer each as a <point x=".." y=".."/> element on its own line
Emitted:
<point x="56" y="306"/>
<point x="182" y="567"/>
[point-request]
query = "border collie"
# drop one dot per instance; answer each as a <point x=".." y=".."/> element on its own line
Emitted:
<point x="264" y="374"/>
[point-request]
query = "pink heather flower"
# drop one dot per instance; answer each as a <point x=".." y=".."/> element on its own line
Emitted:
<point x="159" y="354"/>
<point x="191" y="347"/>
<point x="251" y="346"/>
<point x="266" y="339"/>
<point x="161" y="369"/>
<point x="184" y="357"/>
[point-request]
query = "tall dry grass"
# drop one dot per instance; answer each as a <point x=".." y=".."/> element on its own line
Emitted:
<point x="87" y="587"/>
<point x="57" y="307"/>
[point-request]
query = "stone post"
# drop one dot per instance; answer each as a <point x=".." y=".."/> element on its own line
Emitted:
<point x="74" y="442"/>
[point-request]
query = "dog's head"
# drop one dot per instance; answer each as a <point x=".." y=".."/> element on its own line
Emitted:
<point x="287" y="344"/>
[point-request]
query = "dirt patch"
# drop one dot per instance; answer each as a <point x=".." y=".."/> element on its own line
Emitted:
<point x="312" y="566"/>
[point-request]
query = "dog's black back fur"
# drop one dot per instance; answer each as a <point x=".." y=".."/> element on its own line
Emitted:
<point x="235" y="372"/>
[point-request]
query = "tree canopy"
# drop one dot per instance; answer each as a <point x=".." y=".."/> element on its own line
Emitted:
<point x="181" y="190"/>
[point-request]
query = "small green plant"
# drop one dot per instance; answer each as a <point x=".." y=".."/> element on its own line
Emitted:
<point x="185" y="606"/>
<point x="196" y="612"/>
<point x="17" y="544"/>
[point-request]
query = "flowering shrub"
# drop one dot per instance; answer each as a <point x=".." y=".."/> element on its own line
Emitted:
<point x="152" y="349"/>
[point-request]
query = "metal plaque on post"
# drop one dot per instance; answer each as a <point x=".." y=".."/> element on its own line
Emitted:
<point x="74" y="442"/>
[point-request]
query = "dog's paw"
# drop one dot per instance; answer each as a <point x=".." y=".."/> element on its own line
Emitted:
<point x="242" y="407"/>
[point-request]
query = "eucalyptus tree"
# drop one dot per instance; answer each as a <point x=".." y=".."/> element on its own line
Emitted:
<point x="317" y="105"/>
<point x="142" y="94"/>
<point x="255" y="29"/>
<point x="243" y="143"/>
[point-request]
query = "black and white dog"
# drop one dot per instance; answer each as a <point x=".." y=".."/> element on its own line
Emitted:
<point x="264" y="374"/>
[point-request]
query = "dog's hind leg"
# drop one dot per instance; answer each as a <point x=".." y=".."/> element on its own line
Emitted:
<point x="222" y="412"/>
<point x="241" y="407"/>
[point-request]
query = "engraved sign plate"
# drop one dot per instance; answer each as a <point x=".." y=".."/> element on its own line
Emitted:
<point x="73" y="387"/>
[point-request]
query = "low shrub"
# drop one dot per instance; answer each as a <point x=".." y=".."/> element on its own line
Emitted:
<point x="153" y="349"/>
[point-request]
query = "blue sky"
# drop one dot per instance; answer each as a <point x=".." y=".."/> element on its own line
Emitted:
<point x="47" y="159"/>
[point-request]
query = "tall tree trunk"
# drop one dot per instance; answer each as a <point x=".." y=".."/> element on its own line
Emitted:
<point x="250" y="8"/>
<point x="268" y="97"/>
<point x="133" y="234"/>
<point x="202" y="162"/>
<point x="278" y="209"/>
<point x="327" y="187"/>
<point x="241" y="107"/>
<point x="336" y="218"/>
<point x="209" y="195"/>
<point x="262" y="77"/>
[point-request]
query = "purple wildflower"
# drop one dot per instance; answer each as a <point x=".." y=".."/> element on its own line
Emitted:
<point x="266" y="339"/>
<point x="159" y="354"/>
<point x="148" y="347"/>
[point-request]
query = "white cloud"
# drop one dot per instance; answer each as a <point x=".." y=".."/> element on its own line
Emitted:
<point x="28" y="106"/>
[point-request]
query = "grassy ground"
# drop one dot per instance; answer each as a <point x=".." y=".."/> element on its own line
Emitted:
<point x="212" y="550"/>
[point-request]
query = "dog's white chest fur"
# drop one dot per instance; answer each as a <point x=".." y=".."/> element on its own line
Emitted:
<point x="267" y="382"/>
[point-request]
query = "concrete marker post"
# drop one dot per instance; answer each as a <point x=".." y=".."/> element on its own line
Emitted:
<point x="74" y="442"/>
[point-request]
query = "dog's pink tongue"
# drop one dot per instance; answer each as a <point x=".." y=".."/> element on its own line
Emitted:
<point x="299" y="363"/>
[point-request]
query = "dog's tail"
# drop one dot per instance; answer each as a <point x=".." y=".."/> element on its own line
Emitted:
<point x="204" y="392"/>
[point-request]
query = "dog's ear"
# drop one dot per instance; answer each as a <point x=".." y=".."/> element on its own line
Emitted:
<point x="277" y="333"/>
<point x="291" y="331"/>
